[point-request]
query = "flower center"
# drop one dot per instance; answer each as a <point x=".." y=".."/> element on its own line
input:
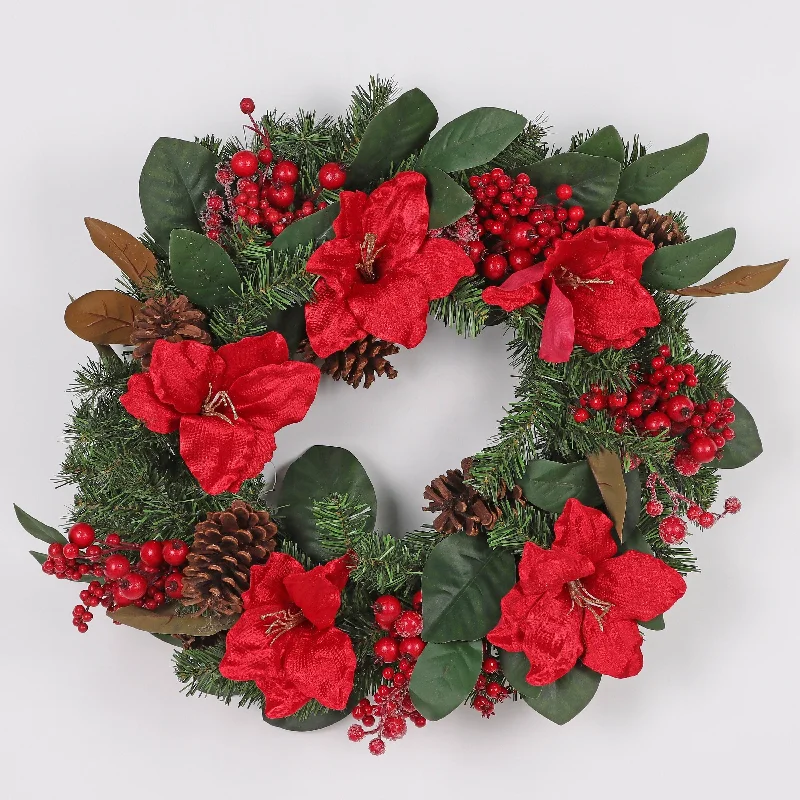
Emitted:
<point x="583" y="599"/>
<point x="281" y="622"/>
<point x="369" y="252"/>
<point x="574" y="282"/>
<point x="214" y="402"/>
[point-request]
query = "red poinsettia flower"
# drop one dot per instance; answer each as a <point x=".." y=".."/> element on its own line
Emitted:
<point x="227" y="404"/>
<point x="596" y="299"/>
<point x="577" y="600"/>
<point x="286" y="641"/>
<point x="381" y="271"/>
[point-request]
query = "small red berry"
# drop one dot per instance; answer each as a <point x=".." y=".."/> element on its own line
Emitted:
<point x="654" y="508"/>
<point x="703" y="449"/>
<point x="70" y="551"/>
<point x="387" y="607"/>
<point x="634" y="409"/>
<point x="686" y="464"/>
<point x="386" y="649"/>
<point x="174" y="552"/>
<point x="416" y="601"/>
<point x="694" y="512"/>
<point x="564" y="191"/>
<point x="679" y="408"/>
<point x="580" y="415"/>
<point x="412" y="647"/>
<point x="672" y="530"/>
<point x="55" y="550"/>
<point x="408" y="624"/>
<point x="377" y="747"/>
<point x="617" y="400"/>
<point x="173" y="586"/>
<point x="81" y="534"/>
<point x="706" y="519"/>
<point x="332" y="176"/>
<point x="247" y="105"/>
<point x="490" y="665"/>
<point x="152" y="553"/>
<point x="281" y="196"/>
<point x="733" y="505"/>
<point x="132" y="587"/>
<point x="285" y="172"/>
<point x="656" y="422"/>
<point x="244" y="163"/>
<point x="494" y="267"/>
<point x="355" y="733"/>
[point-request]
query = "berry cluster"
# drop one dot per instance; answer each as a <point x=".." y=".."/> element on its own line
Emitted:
<point x="260" y="192"/>
<point x="152" y="577"/>
<point x="385" y="717"/>
<point x="490" y="688"/>
<point x="672" y="528"/>
<point x="514" y="229"/>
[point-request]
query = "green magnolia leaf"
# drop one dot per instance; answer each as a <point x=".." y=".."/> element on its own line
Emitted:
<point x="321" y="718"/>
<point x="167" y="639"/>
<point x="38" y="529"/>
<point x="655" y="624"/>
<point x="318" y="473"/>
<point x="394" y="134"/>
<point x="172" y="186"/>
<point x="593" y="180"/>
<point x="549" y="484"/>
<point x="448" y="201"/>
<point x="515" y="667"/>
<point x="680" y="265"/>
<point x="40" y="557"/>
<point x="166" y="621"/>
<point x="606" y="143"/>
<point x="444" y="676"/>
<point x="463" y="582"/>
<point x="291" y="324"/>
<point x="472" y="139"/>
<point x="317" y="228"/>
<point x="746" y="446"/>
<point x="651" y="176"/>
<point x="202" y="270"/>
<point x="632" y="537"/>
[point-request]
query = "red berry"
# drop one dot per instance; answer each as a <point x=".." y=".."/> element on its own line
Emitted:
<point x="387" y="607"/>
<point x="55" y="550"/>
<point x="264" y="155"/>
<point x="281" y="196"/>
<point x="520" y="258"/>
<point x="703" y="449"/>
<point x="654" y="508"/>
<point x="174" y="552"/>
<point x="580" y="415"/>
<point x="733" y="505"/>
<point x="656" y="422"/>
<point x="412" y="647"/>
<point x="416" y="601"/>
<point x="686" y="464"/>
<point x="564" y="191"/>
<point x="679" y="408"/>
<point x="494" y="267"/>
<point x="520" y="235"/>
<point x="81" y="534"/>
<point x="706" y="519"/>
<point x="244" y="164"/>
<point x="490" y="665"/>
<point x="70" y="551"/>
<point x="496" y="691"/>
<point x="285" y="172"/>
<point x="386" y="650"/>
<point x="575" y="214"/>
<point x="394" y="728"/>
<point x="634" y="409"/>
<point x="694" y="512"/>
<point x="332" y="176"/>
<point x="82" y="627"/>
<point x="617" y="400"/>
<point x="151" y="553"/>
<point x="672" y="530"/>
<point x="132" y="587"/>
<point x="173" y="586"/>
<point x="247" y="105"/>
<point x="355" y="733"/>
<point x="377" y="747"/>
<point x="408" y="624"/>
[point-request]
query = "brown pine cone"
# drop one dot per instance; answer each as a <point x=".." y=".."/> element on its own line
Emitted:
<point x="171" y="319"/>
<point x="226" y="545"/>
<point x="660" y="229"/>
<point x="458" y="505"/>
<point x="362" y="359"/>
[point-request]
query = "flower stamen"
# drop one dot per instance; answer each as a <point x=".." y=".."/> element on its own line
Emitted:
<point x="282" y="622"/>
<point x="583" y="599"/>
<point x="215" y="401"/>
<point x="574" y="282"/>
<point x="366" y="266"/>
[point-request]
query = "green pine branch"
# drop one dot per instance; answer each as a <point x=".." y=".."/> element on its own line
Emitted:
<point x="463" y="309"/>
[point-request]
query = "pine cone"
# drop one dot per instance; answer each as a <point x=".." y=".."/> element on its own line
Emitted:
<point x="226" y="545"/>
<point x="362" y="359"/>
<point x="660" y="229"/>
<point x="459" y="506"/>
<point x="171" y="319"/>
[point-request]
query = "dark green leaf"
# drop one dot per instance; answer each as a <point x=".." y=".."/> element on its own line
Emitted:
<point x="606" y="142"/>
<point x="549" y="484"/>
<point x="38" y="529"/>
<point x="318" y="473"/>
<point x="651" y="176"/>
<point x="463" y="582"/>
<point x="681" y="265"/>
<point x="473" y="138"/>
<point x="291" y="324"/>
<point x="593" y="180"/>
<point x="444" y="676"/>
<point x="632" y="537"/>
<point x="515" y="667"/>
<point x="40" y="557"/>
<point x="655" y="624"/>
<point x="317" y="228"/>
<point x="202" y="270"/>
<point x="448" y="201"/>
<point x="303" y="722"/>
<point x="746" y="446"/>
<point x="172" y="186"/>
<point x="394" y="134"/>
<point x="167" y="639"/>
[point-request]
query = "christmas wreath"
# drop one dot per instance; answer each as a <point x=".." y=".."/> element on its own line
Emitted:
<point x="319" y="246"/>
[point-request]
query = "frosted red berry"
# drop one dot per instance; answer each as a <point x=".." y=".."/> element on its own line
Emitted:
<point x="733" y="505"/>
<point x="672" y="530"/>
<point x="408" y="624"/>
<point x="377" y="747"/>
<point x="247" y="105"/>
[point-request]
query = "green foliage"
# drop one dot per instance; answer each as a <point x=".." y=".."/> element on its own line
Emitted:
<point x="463" y="309"/>
<point x="447" y="200"/>
<point x="549" y="484"/>
<point x="747" y="445"/>
<point x="312" y="230"/>
<point x="528" y="148"/>
<point x="605" y="142"/>
<point x="40" y="531"/>
<point x="202" y="270"/>
<point x="682" y="265"/>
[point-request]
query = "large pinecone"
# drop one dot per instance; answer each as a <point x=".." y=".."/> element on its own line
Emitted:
<point x="660" y="229"/>
<point x="171" y="319"/>
<point x="226" y="545"/>
<point x="458" y="505"/>
<point x="363" y="359"/>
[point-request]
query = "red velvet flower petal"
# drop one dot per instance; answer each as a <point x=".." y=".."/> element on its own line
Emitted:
<point x="558" y="328"/>
<point x="281" y="697"/>
<point x="330" y="324"/>
<point x="183" y="372"/>
<point x="638" y="585"/>
<point x="512" y="299"/>
<point x="438" y="267"/>
<point x="251" y="353"/>
<point x="266" y="582"/>
<point x="585" y="530"/>
<point x="542" y="570"/>
<point x="509" y="634"/>
<point x="247" y="652"/>
<point x="348" y="223"/>
<point x="221" y="455"/>
<point x="625" y="248"/>
<point x="140" y="401"/>
<point x="335" y="262"/>
<point x="316" y="595"/>
<point x="616" y="649"/>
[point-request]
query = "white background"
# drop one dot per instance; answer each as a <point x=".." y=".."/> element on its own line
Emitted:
<point x="87" y="88"/>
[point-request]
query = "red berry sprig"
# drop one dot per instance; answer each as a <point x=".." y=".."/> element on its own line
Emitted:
<point x="491" y="687"/>
<point x="385" y="718"/>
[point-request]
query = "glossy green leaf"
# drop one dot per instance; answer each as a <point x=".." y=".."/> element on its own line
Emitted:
<point x="632" y="537"/>
<point x="593" y="180"/>
<point x="202" y="270"/>
<point x="472" y="139"/>
<point x="448" y="201"/>
<point x="746" y="446"/>
<point x="549" y="484"/>
<point x="606" y="143"/>
<point x="444" y="676"/>
<point x="655" y="624"/>
<point x="38" y="529"/>
<point x="393" y="135"/>
<point x="651" y="176"/>
<point x="315" y="229"/>
<point x="40" y="557"/>
<point x="681" y="265"/>
<point x="463" y="582"/>
<point x="515" y="667"/>
<point x="318" y="473"/>
<point x="172" y="186"/>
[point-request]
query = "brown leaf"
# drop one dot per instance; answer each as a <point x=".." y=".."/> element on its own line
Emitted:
<point x="738" y="281"/>
<point x="607" y="471"/>
<point x="102" y="317"/>
<point x="127" y="252"/>
<point x="166" y="621"/>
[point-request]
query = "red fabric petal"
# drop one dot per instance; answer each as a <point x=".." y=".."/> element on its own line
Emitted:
<point x="183" y="372"/>
<point x="140" y="401"/>
<point x="221" y="455"/>
<point x="585" y="530"/>
<point x="509" y="634"/>
<point x="281" y="697"/>
<point x="266" y="582"/>
<point x="558" y="328"/>
<point x="616" y="649"/>
<point x="348" y="223"/>
<point x="638" y="585"/>
<point x="625" y="247"/>
<point x="317" y="593"/>
<point x="251" y="353"/>
<point x="438" y="267"/>
<point x="516" y="295"/>
<point x="542" y="570"/>
<point x="330" y="324"/>
<point x="335" y="262"/>
<point x="247" y="652"/>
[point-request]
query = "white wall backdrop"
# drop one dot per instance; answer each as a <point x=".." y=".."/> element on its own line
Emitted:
<point x="86" y="89"/>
